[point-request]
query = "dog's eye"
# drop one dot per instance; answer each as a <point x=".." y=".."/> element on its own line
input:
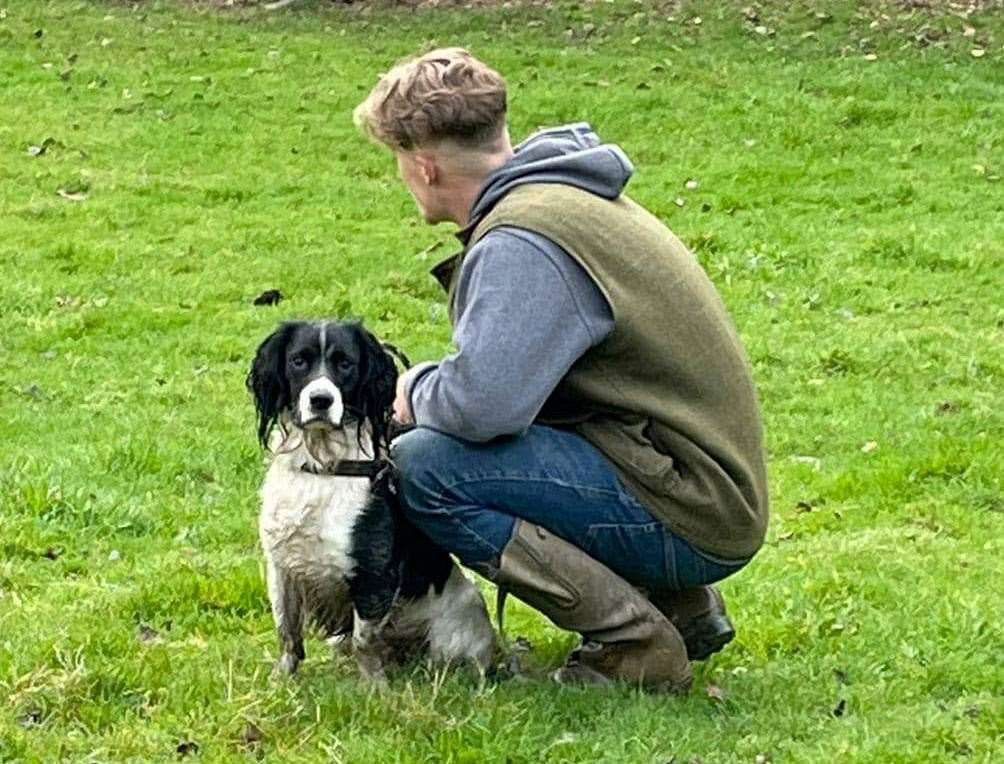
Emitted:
<point x="298" y="362"/>
<point x="345" y="364"/>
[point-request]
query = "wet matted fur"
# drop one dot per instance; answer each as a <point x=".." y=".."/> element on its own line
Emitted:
<point x="339" y="552"/>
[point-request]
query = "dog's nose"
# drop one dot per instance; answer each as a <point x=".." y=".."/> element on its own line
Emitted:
<point x="321" y="401"/>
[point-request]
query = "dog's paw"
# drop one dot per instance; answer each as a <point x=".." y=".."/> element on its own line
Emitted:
<point x="285" y="667"/>
<point x="371" y="667"/>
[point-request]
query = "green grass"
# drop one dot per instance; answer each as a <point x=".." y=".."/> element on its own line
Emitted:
<point x="850" y="211"/>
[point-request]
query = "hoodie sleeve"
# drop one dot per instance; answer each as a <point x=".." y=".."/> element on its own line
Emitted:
<point x="526" y="311"/>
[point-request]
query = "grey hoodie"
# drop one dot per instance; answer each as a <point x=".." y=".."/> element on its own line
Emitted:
<point x="525" y="309"/>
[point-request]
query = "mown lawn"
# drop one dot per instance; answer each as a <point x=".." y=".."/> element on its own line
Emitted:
<point x="849" y="207"/>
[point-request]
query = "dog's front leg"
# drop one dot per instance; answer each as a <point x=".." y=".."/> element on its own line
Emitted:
<point x="369" y="648"/>
<point x="287" y="611"/>
<point x="373" y="587"/>
<point x="373" y="599"/>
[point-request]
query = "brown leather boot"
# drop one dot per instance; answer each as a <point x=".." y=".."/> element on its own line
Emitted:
<point x="699" y="615"/>
<point x="625" y="637"/>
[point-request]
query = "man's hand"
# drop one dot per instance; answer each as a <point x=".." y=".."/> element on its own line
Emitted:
<point x="402" y="406"/>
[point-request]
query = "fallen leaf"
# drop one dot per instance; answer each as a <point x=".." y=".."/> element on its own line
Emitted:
<point x="30" y="718"/>
<point x="871" y="57"/>
<point x="762" y="758"/>
<point x="147" y="634"/>
<point x="72" y="196"/>
<point x="868" y="447"/>
<point x="813" y="461"/>
<point x="977" y="53"/>
<point x="716" y="693"/>
<point x="564" y="738"/>
<point x="34" y="392"/>
<point x="751" y="13"/>
<point x="760" y="30"/>
<point x="679" y="201"/>
<point x="269" y="297"/>
<point x="114" y="556"/>
<point x="252" y="735"/>
<point x="696" y="21"/>
<point x="691" y="185"/>
<point x="39" y="150"/>
<point x="186" y="748"/>
<point x="968" y="31"/>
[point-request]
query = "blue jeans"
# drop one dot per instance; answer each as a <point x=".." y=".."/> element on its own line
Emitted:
<point x="467" y="497"/>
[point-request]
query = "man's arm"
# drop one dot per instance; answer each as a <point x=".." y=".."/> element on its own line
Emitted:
<point x="526" y="311"/>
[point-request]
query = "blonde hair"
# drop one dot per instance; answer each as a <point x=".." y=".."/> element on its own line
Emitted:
<point x="445" y="94"/>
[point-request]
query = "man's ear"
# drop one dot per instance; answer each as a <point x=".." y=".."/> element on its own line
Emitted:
<point x="428" y="166"/>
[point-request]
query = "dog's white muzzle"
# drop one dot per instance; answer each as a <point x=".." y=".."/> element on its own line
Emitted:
<point x="321" y="403"/>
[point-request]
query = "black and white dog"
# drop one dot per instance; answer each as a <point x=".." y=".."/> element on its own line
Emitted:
<point x="338" y="550"/>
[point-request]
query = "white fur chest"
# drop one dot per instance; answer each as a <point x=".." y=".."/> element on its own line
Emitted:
<point x="307" y="520"/>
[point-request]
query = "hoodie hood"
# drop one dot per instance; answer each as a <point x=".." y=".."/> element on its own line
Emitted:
<point x="570" y="154"/>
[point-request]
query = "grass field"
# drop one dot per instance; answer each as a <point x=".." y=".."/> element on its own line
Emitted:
<point x="849" y="207"/>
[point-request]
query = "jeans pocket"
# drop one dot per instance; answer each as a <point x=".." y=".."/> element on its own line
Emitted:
<point x="636" y="552"/>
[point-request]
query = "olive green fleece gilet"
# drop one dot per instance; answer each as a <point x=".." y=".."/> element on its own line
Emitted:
<point x="667" y="396"/>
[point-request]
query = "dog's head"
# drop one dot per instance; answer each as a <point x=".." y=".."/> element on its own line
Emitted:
<point x="323" y="374"/>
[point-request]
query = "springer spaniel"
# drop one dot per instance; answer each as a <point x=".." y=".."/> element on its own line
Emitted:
<point x="338" y="550"/>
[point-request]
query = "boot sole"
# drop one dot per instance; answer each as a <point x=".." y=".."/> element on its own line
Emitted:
<point x="710" y="636"/>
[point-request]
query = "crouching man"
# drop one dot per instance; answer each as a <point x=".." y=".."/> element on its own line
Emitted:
<point x="594" y="444"/>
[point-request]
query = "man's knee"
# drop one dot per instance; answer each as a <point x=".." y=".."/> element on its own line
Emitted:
<point x="421" y="458"/>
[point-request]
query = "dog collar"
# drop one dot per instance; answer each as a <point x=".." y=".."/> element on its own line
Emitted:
<point x="368" y="468"/>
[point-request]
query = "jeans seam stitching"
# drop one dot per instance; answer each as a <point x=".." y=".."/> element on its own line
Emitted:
<point x="520" y="479"/>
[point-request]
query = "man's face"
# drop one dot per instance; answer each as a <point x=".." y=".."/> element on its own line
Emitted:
<point x="420" y="174"/>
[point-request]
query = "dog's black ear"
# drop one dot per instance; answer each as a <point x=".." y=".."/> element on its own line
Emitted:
<point x="267" y="381"/>
<point x="378" y="382"/>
